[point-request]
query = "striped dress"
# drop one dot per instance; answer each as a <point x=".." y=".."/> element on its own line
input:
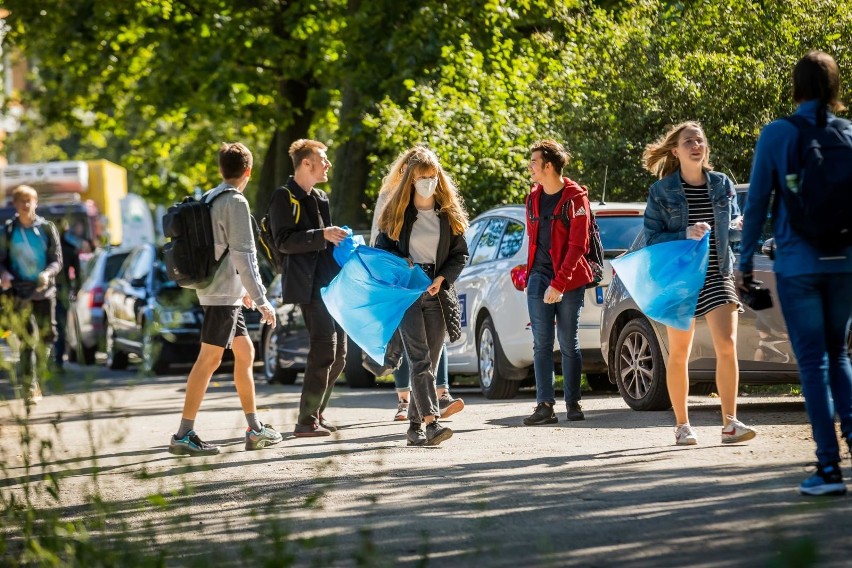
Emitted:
<point x="718" y="290"/>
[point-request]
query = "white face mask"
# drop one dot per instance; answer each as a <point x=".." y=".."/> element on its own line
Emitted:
<point x="426" y="187"/>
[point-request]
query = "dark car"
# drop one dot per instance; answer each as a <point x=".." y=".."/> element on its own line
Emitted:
<point x="636" y="347"/>
<point x="284" y="350"/>
<point x="150" y="316"/>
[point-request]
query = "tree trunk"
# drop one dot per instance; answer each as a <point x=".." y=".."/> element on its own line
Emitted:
<point x="277" y="165"/>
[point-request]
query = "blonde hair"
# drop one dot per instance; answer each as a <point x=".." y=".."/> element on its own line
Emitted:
<point x="24" y="191"/>
<point x="405" y="170"/>
<point x="658" y="157"/>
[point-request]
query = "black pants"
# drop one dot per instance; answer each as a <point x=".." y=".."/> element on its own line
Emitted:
<point x="41" y="329"/>
<point x="326" y="359"/>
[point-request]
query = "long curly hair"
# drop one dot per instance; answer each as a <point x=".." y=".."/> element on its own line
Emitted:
<point x="658" y="157"/>
<point x="407" y="168"/>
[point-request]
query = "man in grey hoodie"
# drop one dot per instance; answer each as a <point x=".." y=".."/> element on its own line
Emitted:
<point x="235" y="284"/>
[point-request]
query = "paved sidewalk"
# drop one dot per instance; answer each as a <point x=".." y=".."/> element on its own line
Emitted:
<point x="611" y="490"/>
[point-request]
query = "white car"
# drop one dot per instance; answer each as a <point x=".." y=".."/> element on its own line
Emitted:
<point x="496" y="342"/>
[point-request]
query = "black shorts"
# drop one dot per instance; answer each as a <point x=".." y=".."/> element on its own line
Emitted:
<point x="222" y="324"/>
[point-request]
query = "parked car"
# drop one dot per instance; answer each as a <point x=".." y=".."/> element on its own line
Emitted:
<point x="284" y="350"/>
<point x="86" y="332"/>
<point x="149" y="315"/>
<point x="496" y="342"/>
<point x="636" y="347"/>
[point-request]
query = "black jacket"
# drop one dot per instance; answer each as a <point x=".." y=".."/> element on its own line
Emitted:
<point x="296" y="219"/>
<point x="450" y="259"/>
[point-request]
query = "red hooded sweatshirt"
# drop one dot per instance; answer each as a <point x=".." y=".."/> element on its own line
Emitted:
<point x="566" y="248"/>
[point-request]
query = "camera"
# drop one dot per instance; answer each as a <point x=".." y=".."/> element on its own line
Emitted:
<point x="755" y="296"/>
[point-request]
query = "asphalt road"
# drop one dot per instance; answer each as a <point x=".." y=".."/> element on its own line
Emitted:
<point x="611" y="490"/>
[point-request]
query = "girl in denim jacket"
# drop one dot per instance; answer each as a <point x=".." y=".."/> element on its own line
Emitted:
<point x="688" y="201"/>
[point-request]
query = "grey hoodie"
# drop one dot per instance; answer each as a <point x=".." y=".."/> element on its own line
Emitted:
<point x="238" y="273"/>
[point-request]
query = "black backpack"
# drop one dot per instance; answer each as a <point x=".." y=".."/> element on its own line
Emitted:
<point x="818" y="194"/>
<point x="190" y="255"/>
<point x="595" y="255"/>
<point x="265" y="239"/>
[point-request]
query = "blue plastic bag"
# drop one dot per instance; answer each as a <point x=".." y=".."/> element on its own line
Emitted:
<point x="344" y="249"/>
<point x="370" y="295"/>
<point x="664" y="279"/>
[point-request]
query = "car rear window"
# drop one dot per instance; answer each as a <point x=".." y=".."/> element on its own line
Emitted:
<point x="618" y="232"/>
<point x="113" y="263"/>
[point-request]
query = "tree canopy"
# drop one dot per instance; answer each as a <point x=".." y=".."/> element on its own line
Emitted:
<point x="156" y="84"/>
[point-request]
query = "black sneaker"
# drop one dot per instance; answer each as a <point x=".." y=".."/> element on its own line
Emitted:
<point x="827" y="480"/>
<point x="415" y="435"/>
<point x="575" y="412"/>
<point x="191" y="445"/>
<point x="435" y="434"/>
<point x="543" y="415"/>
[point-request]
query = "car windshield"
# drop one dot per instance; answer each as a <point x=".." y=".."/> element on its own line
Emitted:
<point x="618" y="232"/>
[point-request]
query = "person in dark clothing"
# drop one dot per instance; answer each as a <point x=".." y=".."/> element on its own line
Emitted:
<point x="30" y="260"/>
<point x="300" y="221"/>
<point x="814" y="286"/>
<point x="424" y="221"/>
<point x="558" y="274"/>
<point x="67" y="284"/>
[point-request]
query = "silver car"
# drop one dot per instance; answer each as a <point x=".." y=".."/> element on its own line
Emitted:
<point x="635" y="347"/>
<point x="85" y="328"/>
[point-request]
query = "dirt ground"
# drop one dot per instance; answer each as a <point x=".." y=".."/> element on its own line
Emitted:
<point x="611" y="490"/>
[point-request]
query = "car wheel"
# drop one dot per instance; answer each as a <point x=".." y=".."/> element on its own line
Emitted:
<point x="155" y="359"/>
<point x="640" y="371"/>
<point x="600" y="382"/>
<point x="116" y="358"/>
<point x="357" y="377"/>
<point x="497" y="377"/>
<point x="82" y="354"/>
<point x="269" y="356"/>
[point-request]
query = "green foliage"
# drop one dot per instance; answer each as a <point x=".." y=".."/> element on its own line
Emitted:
<point x="156" y="84"/>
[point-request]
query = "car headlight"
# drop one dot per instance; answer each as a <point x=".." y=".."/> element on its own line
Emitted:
<point x="175" y="318"/>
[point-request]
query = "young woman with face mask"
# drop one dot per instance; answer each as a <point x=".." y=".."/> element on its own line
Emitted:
<point x="402" y="376"/>
<point x="424" y="221"/>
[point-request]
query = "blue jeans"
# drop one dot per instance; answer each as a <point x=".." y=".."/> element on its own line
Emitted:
<point x="402" y="376"/>
<point x="817" y="310"/>
<point x="566" y="315"/>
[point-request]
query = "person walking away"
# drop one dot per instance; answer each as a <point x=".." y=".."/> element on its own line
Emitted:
<point x="300" y="220"/>
<point x="689" y="200"/>
<point x="67" y="285"/>
<point x="424" y="222"/>
<point x="558" y="274"/>
<point x="402" y="376"/>
<point x="236" y="283"/>
<point x="30" y="260"/>
<point x="814" y="284"/>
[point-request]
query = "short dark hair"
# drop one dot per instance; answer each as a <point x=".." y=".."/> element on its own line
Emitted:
<point x="304" y="148"/>
<point x="234" y="159"/>
<point x="552" y="152"/>
<point x="816" y="77"/>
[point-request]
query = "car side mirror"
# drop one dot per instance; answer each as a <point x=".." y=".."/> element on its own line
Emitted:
<point x="768" y="248"/>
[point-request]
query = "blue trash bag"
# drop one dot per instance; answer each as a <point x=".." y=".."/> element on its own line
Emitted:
<point x="664" y="279"/>
<point x="371" y="294"/>
<point x="344" y="249"/>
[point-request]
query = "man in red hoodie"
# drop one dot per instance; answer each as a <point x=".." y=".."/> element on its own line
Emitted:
<point x="558" y="228"/>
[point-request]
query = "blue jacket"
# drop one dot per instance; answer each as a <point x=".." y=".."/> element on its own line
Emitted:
<point x="777" y="148"/>
<point x="667" y="214"/>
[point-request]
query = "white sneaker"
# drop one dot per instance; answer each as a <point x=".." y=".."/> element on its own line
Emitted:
<point x="685" y="435"/>
<point x="401" y="412"/>
<point x="736" y="431"/>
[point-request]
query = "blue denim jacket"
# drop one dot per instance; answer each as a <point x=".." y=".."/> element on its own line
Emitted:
<point x="667" y="214"/>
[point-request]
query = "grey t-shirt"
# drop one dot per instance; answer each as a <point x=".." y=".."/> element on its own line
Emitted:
<point x="425" y="233"/>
